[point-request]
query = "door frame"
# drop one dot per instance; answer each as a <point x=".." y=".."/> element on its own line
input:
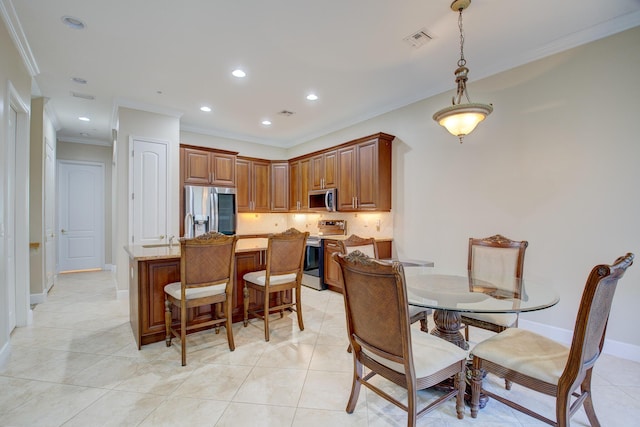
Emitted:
<point x="20" y="214"/>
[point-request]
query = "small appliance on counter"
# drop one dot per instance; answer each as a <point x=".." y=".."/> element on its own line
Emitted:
<point x="209" y="209"/>
<point x="313" y="259"/>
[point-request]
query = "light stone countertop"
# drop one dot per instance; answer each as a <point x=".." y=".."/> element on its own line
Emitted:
<point x="145" y="252"/>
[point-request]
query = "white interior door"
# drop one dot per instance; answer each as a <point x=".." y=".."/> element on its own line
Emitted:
<point x="149" y="192"/>
<point x="10" y="215"/>
<point x="81" y="215"/>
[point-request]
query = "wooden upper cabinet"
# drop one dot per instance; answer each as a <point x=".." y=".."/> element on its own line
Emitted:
<point x="279" y="186"/>
<point x="299" y="180"/>
<point x="324" y="172"/>
<point x="252" y="185"/>
<point x="223" y="169"/>
<point x="364" y="174"/>
<point x="206" y="167"/>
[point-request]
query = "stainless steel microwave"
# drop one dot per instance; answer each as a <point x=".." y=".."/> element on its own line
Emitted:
<point x="323" y="200"/>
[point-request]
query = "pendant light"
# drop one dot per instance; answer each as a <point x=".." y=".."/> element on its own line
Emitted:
<point x="461" y="119"/>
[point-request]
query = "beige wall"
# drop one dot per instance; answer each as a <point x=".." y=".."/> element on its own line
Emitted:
<point x="14" y="72"/>
<point x="42" y="133"/>
<point x="141" y="124"/>
<point x="555" y="164"/>
<point x="241" y="147"/>
<point x="98" y="154"/>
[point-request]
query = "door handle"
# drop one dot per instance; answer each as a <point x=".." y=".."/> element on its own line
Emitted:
<point x="63" y="231"/>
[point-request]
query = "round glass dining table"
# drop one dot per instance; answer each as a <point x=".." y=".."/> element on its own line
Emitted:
<point x="450" y="295"/>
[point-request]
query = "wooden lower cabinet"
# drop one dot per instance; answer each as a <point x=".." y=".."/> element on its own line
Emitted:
<point x="146" y="288"/>
<point x="332" y="269"/>
<point x="146" y="297"/>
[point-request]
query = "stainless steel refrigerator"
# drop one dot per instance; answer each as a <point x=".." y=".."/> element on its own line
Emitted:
<point x="209" y="209"/>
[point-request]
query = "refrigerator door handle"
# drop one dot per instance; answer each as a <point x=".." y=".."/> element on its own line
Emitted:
<point x="214" y="209"/>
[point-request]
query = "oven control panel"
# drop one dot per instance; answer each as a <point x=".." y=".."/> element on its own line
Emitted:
<point x="330" y="227"/>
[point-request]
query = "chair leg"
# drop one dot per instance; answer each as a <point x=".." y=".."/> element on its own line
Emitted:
<point x="245" y="296"/>
<point x="167" y="321"/>
<point x="424" y="327"/>
<point x="355" y="386"/>
<point x="183" y="333"/>
<point x="299" y="308"/>
<point x="466" y="333"/>
<point x="266" y="315"/>
<point x="411" y="407"/>
<point x="461" y="385"/>
<point x="588" y="401"/>
<point x="476" y="387"/>
<point x="229" y="325"/>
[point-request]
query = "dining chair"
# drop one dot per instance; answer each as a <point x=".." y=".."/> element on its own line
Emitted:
<point x="368" y="247"/>
<point x="375" y="298"/>
<point x="285" y="261"/>
<point x="497" y="260"/>
<point x="546" y="366"/>
<point x="206" y="278"/>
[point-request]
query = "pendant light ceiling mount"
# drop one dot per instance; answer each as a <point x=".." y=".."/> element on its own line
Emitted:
<point x="461" y="119"/>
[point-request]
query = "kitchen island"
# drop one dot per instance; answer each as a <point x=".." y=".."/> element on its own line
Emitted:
<point x="151" y="267"/>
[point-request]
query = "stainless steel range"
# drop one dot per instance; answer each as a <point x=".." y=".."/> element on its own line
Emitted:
<point x="313" y="262"/>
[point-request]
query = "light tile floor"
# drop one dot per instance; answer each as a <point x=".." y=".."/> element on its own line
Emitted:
<point x="78" y="365"/>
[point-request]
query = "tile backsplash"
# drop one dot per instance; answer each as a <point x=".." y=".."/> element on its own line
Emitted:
<point x="364" y="224"/>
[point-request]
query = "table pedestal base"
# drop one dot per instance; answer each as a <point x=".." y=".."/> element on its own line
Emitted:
<point x="448" y="324"/>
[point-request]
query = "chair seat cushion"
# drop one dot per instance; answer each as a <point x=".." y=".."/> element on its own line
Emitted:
<point x="502" y="319"/>
<point x="430" y="354"/>
<point x="413" y="310"/>
<point x="174" y="289"/>
<point x="525" y="352"/>
<point x="260" y="277"/>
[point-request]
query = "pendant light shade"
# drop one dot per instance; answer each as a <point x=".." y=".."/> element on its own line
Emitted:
<point x="461" y="119"/>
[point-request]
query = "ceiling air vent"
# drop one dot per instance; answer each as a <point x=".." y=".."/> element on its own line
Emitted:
<point x="419" y="38"/>
<point x="83" y="95"/>
<point x="286" y="113"/>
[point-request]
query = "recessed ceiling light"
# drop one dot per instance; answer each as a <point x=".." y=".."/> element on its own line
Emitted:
<point x="79" y="80"/>
<point x="266" y="122"/>
<point x="239" y="73"/>
<point x="205" y="109"/>
<point x="312" y="97"/>
<point x="72" y="22"/>
<point x="84" y="119"/>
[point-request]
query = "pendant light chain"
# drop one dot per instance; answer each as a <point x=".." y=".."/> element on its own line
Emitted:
<point x="460" y="118"/>
<point x="461" y="62"/>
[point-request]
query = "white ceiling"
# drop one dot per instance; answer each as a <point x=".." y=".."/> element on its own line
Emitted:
<point x="171" y="57"/>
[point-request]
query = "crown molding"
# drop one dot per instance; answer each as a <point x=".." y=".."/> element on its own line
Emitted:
<point x="14" y="27"/>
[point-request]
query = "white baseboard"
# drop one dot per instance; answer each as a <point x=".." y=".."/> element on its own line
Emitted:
<point x="38" y="298"/>
<point x="122" y="294"/>
<point x="612" y="347"/>
<point x="5" y="351"/>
